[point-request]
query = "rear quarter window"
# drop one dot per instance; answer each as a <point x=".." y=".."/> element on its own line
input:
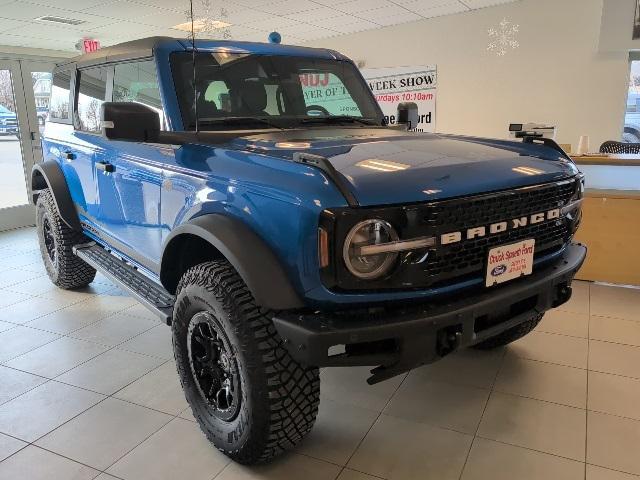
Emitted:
<point x="60" y="97"/>
<point x="91" y="96"/>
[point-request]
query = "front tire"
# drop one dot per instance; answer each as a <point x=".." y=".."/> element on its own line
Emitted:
<point x="56" y="240"/>
<point x="510" y="335"/>
<point x="250" y="397"/>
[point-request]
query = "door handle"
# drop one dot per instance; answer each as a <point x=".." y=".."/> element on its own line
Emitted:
<point x="69" y="156"/>
<point x="105" y="167"/>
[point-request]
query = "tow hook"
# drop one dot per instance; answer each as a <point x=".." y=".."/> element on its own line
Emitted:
<point x="448" y="339"/>
<point x="564" y="294"/>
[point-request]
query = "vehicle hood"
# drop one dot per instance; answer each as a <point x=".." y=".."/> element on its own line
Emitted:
<point x="386" y="166"/>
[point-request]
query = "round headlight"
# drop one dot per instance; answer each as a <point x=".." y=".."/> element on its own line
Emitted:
<point x="369" y="232"/>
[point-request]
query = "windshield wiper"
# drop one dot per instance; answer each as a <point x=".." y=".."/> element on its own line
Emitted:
<point x="339" y="119"/>
<point x="236" y="121"/>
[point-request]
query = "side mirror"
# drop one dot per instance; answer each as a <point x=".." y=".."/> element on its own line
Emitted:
<point x="129" y="121"/>
<point x="408" y="115"/>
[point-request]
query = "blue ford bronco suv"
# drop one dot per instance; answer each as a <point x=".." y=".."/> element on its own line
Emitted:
<point x="255" y="198"/>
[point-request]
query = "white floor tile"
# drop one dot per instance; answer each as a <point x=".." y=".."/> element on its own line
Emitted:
<point x="542" y="426"/>
<point x="159" y="389"/>
<point x="614" y="394"/>
<point x="474" y="368"/>
<point x="111" y="371"/>
<point x="552" y="348"/>
<point x="19" y="340"/>
<point x="114" y="330"/>
<point x="14" y="383"/>
<point x="600" y="473"/>
<point x="543" y="381"/>
<point x="9" y="446"/>
<point x="618" y="302"/>
<point x="155" y="342"/>
<point x="56" y="357"/>
<point x="612" y="442"/>
<point x="565" y="323"/>
<point x="349" y="385"/>
<point x="104" y="433"/>
<point x="614" y="358"/>
<point x="177" y="450"/>
<point x="491" y="460"/>
<point x="397" y="449"/>
<point x="44" y="408"/>
<point x="289" y="466"/>
<point x="457" y="407"/>
<point x="34" y="463"/>
<point x="338" y="431"/>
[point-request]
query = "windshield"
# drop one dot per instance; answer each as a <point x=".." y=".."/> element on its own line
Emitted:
<point x="3" y="109"/>
<point x="239" y="90"/>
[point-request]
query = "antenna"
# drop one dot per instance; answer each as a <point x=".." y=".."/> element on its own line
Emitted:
<point x="193" y="63"/>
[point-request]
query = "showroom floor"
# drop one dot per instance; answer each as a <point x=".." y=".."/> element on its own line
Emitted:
<point x="88" y="385"/>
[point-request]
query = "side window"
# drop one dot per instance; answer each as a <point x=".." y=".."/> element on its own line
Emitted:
<point x="91" y="95"/>
<point x="60" y="94"/>
<point x="138" y="82"/>
<point x="326" y="90"/>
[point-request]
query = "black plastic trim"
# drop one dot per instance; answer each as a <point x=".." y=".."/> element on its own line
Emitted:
<point x="547" y="142"/>
<point x="417" y="331"/>
<point x="245" y="250"/>
<point x="55" y="181"/>
<point x="327" y="167"/>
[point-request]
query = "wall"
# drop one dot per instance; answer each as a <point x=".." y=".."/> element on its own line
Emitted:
<point x="558" y="74"/>
<point x="617" y="23"/>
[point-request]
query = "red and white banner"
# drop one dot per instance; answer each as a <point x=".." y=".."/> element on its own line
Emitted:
<point x="394" y="85"/>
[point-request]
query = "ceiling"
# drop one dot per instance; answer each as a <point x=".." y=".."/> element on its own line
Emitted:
<point x="299" y="21"/>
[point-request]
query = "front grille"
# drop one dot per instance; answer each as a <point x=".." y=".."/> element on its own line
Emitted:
<point x="457" y="262"/>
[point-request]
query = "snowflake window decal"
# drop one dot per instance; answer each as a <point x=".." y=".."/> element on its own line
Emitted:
<point x="503" y="38"/>
<point x="209" y="18"/>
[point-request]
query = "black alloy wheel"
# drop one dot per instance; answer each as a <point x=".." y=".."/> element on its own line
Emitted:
<point x="213" y="366"/>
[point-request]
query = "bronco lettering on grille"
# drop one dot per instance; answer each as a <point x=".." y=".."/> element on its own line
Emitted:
<point x="499" y="227"/>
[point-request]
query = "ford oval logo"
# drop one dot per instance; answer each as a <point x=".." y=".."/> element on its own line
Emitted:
<point x="499" y="270"/>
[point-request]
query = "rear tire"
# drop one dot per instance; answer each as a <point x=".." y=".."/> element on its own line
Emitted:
<point x="510" y="335"/>
<point x="251" y="399"/>
<point x="56" y="240"/>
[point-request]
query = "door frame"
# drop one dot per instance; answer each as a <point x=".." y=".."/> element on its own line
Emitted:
<point x="24" y="215"/>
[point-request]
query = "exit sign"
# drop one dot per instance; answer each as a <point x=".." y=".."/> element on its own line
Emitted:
<point x="89" y="45"/>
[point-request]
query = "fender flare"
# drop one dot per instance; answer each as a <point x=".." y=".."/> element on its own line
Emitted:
<point x="49" y="175"/>
<point x="252" y="258"/>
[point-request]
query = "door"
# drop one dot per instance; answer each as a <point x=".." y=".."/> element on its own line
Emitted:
<point x="16" y="148"/>
<point x="129" y="175"/>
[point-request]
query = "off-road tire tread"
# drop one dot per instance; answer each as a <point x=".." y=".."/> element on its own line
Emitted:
<point x="293" y="391"/>
<point x="71" y="272"/>
<point x="510" y="335"/>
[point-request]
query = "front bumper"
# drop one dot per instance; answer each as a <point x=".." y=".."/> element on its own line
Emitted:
<point x="405" y="337"/>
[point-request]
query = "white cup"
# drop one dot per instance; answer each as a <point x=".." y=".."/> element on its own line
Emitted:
<point x="583" y="145"/>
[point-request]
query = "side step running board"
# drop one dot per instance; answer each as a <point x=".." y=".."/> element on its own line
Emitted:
<point x="143" y="289"/>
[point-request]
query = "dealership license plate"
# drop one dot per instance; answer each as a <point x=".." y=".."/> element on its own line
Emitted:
<point x="507" y="262"/>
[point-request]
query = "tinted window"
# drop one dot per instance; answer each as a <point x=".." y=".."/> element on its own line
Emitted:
<point x="138" y="82"/>
<point x="59" y="104"/>
<point x="91" y="95"/>
<point x="256" y="91"/>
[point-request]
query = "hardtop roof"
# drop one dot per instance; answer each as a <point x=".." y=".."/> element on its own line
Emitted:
<point x="145" y="47"/>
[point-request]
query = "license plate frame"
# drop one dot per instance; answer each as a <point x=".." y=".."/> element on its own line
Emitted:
<point x="510" y="261"/>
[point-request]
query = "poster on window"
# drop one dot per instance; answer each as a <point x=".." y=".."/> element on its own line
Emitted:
<point x="636" y="24"/>
<point x="394" y="85"/>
